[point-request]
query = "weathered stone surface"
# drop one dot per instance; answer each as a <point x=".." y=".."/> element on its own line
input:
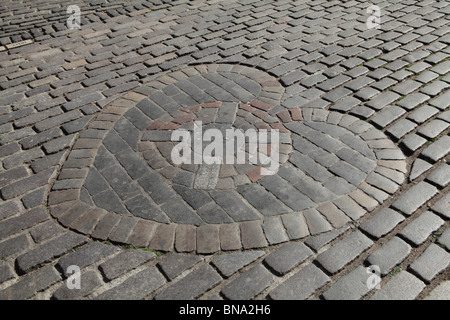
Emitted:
<point x="135" y="287"/>
<point x="287" y="257"/>
<point x="29" y="285"/>
<point x="431" y="262"/>
<point x="89" y="281"/>
<point x="441" y="292"/>
<point x="248" y="284"/>
<point x="230" y="263"/>
<point x="301" y="285"/>
<point x="85" y="256"/>
<point x="174" y="264"/>
<point x="403" y="286"/>
<point x="418" y="230"/>
<point x="49" y="250"/>
<point x="414" y="198"/>
<point x="349" y="287"/>
<point x="191" y="286"/>
<point x="389" y="255"/>
<point x="344" y="251"/>
<point x="382" y="222"/>
<point x="442" y="206"/>
<point x="124" y="262"/>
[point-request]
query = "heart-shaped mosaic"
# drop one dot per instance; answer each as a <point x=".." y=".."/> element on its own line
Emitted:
<point x="127" y="189"/>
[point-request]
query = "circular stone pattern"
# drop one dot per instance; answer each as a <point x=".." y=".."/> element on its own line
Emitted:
<point x="157" y="145"/>
<point x="119" y="182"/>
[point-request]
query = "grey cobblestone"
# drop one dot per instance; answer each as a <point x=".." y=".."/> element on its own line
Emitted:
<point x="230" y="263"/>
<point x="382" y="222"/>
<point x="415" y="197"/>
<point x="438" y="149"/>
<point x="204" y="278"/>
<point x="389" y="255"/>
<point x="431" y="262"/>
<point x="422" y="227"/>
<point x="174" y="264"/>
<point x="21" y="222"/>
<point x="29" y="285"/>
<point x="124" y="262"/>
<point x="403" y="286"/>
<point x="350" y="287"/>
<point x="85" y="256"/>
<point x="6" y="273"/>
<point x="136" y="287"/>
<point x="46" y="231"/>
<point x="89" y="281"/>
<point x="249" y="284"/>
<point x="343" y="252"/>
<point x="440" y="293"/>
<point x="442" y="206"/>
<point x="287" y="257"/>
<point x="301" y="285"/>
<point x="49" y="250"/>
<point x="444" y="239"/>
<point x="440" y="176"/>
<point x="13" y="246"/>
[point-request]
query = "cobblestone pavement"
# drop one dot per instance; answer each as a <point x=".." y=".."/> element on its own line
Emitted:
<point x="86" y="176"/>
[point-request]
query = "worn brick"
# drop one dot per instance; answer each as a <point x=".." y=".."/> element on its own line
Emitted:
<point x="49" y="250"/>
<point x="287" y="257"/>
<point x="248" y="284"/>
<point x="29" y="285"/>
<point x="89" y="281"/>
<point x="135" y="287"/>
<point x="192" y="285"/>
<point x="124" y="262"/>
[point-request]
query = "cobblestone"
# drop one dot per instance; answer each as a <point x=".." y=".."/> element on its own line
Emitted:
<point x="343" y="252"/>
<point x="13" y="246"/>
<point x="124" y="262"/>
<point x="415" y="197"/>
<point x="228" y="264"/>
<point x="421" y="228"/>
<point x="6" y="273"/>
<point x="136" y="287"/>
<point x="49" y="250"/>
<point x="248" y="284"/>
<point x="438" y="149"/>
<point x="174" y="264"/>
<point x="350" y="287"/>
<point x="29" y="285"/>
<point x="389" y="255"/>
<point x="431" y="262"/>
<point x="382" y="222"/>
<point x="286" y="258"/>
<point x="21" y="222"/>
<point x="403" y="286"/>
<point x="442" y="206"/>
<point x="440" y="176"/>
<point x="444" y="238"/>
<point x="301" y="285"/>
<point x="440" y="292"/>
<point x="202" y="279"/>
<point x="85" y="256"/>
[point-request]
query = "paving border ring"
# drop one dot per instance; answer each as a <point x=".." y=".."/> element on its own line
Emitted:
<point x="66" y="199"/>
